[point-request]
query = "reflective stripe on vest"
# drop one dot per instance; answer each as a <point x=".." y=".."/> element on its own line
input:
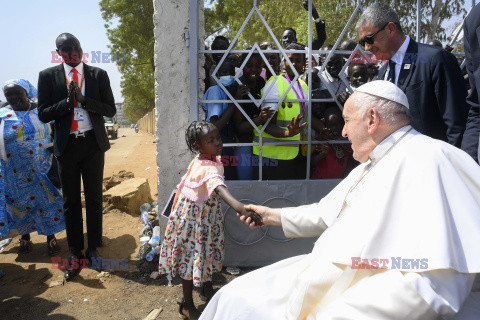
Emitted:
<point x="286" y="112"/>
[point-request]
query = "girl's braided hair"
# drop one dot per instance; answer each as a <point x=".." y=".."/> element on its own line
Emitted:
<point x="194" y="133"/>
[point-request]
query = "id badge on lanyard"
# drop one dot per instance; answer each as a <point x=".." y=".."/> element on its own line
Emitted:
<point x="78" y="114"/>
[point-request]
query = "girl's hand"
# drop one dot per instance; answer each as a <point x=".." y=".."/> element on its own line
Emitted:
<point x="253" y="216"/>
<point x="269" y="216"/>
<point x="242" y="92"/>
<point x="294" y="126"/>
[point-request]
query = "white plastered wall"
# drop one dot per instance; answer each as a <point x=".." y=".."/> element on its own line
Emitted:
<point x="172" y="90"/>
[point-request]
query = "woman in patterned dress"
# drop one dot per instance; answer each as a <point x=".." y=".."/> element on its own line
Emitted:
<point x="28" y="199"/>
<point x="193" y="244"/>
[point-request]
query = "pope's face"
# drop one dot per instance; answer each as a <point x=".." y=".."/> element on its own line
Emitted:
<point x="356" y="130"/>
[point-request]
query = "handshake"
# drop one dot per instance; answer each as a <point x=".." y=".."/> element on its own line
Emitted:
<point x="74" y="94"/>
<point x="256" y="216"/>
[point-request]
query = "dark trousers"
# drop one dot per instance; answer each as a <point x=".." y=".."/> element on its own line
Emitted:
<point x="82" y="157"/>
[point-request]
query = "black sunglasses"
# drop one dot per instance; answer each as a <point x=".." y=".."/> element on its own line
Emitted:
<point x="371" y="38"/>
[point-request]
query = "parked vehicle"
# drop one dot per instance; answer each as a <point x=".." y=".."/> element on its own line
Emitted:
<point x="111" y="125"/>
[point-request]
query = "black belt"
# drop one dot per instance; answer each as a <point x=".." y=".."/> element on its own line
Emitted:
<point x="84" y="134"/>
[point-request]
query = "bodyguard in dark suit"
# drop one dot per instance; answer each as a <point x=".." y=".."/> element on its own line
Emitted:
<point x="77" y="96"/>
<point x="471" y="41"/>
<point x="430" y="76"/>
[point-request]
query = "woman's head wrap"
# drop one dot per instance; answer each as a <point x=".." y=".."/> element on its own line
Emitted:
<point x="32" y="92"/>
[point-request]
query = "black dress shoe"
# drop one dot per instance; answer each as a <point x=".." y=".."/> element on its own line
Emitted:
<point x="75" y="265"/>
<point x="94" y="258"/>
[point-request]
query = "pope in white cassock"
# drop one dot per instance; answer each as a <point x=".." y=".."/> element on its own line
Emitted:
<point x="410" y="212"/>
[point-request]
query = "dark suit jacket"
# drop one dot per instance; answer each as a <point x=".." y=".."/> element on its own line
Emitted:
<point x="433" y="83"/>
<point x="472" y="54"/>
<point x="52" y="103"/>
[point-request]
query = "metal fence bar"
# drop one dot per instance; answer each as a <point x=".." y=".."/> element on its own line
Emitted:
<point x="267" y="100"/>
<point x="309" y="104"/>
<point x="284" y="143"/>
<point x="419" y="19"/>
<point x="308" y="51"/>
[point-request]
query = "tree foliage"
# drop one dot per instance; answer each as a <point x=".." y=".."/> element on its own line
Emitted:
<point x="130" y="26"/>
<point x="279" y="14"/>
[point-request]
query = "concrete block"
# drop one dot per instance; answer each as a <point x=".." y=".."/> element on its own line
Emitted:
<point x="129" y="195"/>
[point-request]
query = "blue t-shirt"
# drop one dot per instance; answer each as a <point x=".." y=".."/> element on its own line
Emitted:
<point x="217" y="109"/>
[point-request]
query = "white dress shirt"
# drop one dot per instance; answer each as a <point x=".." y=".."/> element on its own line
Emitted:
<point x="86" y="124"/>
<point x="398" y="59"/>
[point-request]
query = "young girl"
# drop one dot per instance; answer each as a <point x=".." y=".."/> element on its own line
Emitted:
<point x="193" y="244"/>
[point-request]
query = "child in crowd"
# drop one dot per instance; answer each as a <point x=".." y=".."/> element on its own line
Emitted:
<point x="220" y="113"/>
<point x="252" y="83"/>
<point x="357" y="74"/>
<point x="332" y="76"/>
<point x="193" y="246"/>
<point x="219" y="43"/>
<point x="331" y="160"/>
<point x="372" y="71"/>
<point x="273" y="61"/>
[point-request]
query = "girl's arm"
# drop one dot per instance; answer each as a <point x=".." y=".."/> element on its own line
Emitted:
<point x="237" y="205"/>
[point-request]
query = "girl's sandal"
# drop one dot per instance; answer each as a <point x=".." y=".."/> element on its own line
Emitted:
<point x="191" y="312"/>
<point x="25" y="246"/>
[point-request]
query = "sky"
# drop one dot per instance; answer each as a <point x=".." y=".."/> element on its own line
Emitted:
<point x="30" y="27"/>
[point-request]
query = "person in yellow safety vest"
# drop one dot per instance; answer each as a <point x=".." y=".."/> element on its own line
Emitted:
<point x="285" y="161"/>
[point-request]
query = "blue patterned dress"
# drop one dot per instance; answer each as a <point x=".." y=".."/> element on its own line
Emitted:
<point x="28" y="199"/>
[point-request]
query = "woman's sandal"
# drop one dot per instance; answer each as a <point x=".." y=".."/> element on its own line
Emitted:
<point x="189" y="307"/>
<point x="52" y="247"/>
<point x="25" y="246"/>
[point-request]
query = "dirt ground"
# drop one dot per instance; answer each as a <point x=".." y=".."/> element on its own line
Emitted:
<point x="32" y="289"/>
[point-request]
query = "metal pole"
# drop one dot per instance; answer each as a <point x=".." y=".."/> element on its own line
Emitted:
<point x="419" y="18"/>
<point x="193" y="36"/>
<point x="309" y="104"/>
<point x="473" y="3"/>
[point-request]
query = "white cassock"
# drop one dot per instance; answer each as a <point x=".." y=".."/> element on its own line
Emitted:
<point x="415" y="202"/>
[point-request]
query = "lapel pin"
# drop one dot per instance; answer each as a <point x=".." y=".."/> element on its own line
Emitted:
<point x="407" y="66"/>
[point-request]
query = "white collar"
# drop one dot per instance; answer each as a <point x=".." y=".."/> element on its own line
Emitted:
<point x="387" y="143"/>
<point x="400" y="54"/>
<point x="69" y="69"/>
<point x="329" y="77"/>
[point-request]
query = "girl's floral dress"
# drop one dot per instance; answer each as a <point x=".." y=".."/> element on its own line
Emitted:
<point x="193" y="246"/>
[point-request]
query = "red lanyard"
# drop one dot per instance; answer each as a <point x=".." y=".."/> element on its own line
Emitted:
<point x="299" y="96"/>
